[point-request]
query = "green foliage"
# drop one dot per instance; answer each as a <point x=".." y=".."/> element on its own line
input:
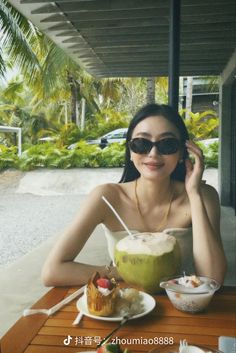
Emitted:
<point x="113" y="155"/>
<point x="68" y="134"/>
<point x="17" y="35"/>
<point x="202" y="125"/>
<point x="211" y="154"/>
<point x="8" y="157"/>
<point x="104" y="122"/>
<point x="40" y="156"/>
<point x="49" y="155"/>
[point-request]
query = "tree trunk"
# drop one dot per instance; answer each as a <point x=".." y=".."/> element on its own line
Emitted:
<point x="189" y="97"/>
<point x="74" y="98"/>
<point x="150" y="90"/>
<point x="83" y="110"/>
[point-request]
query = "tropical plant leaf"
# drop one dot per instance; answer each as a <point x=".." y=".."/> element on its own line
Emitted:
<point x="2" y="65"/>
<point x="16" y="33"/>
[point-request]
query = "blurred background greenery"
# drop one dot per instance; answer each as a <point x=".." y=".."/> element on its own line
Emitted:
<point x="56" y="103"/>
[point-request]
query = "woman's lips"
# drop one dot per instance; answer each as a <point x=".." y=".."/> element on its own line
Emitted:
<point x="153" y="165"/>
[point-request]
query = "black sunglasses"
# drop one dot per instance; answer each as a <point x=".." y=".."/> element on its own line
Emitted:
<point x="166" y="146"/>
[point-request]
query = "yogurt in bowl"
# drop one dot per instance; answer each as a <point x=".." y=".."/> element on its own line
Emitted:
<point x="190" y="293"/>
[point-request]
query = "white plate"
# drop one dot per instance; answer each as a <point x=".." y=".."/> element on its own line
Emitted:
<point x="147" y="300"/>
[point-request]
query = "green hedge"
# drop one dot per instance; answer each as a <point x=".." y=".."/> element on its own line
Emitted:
<point x="8" y="157"/>
<point x="48" y="156"/>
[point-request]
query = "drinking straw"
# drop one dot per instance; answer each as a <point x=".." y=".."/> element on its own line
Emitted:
<point x="117" y="216"/>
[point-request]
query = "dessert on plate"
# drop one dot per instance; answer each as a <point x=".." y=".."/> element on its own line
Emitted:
<point x="129" y="302"/>
<point x="101" y="294"/>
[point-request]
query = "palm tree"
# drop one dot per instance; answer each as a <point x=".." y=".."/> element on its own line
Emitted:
<point x="150" y="90"/>
<point x="16" y="36"/>
<point x="16" y="110"/>
<point x="56" y="80"/>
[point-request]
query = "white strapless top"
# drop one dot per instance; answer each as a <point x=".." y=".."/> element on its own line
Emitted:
<point x="183" y="236"/>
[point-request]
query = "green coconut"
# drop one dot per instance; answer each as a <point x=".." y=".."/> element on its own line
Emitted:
<point x="144" y="259"/>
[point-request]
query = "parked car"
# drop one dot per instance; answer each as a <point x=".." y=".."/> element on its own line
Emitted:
<point x="118" y="135"/>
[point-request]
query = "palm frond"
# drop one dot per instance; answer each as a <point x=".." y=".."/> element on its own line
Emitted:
<point x="16" y="31"/>
<point x="2" y="65"/>
<point x="54" y="67"/>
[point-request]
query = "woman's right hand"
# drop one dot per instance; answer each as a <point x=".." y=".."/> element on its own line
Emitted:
<point x="194" y="171"/>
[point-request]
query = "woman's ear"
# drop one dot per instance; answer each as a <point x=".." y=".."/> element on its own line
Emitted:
<point x="181" y="156"/>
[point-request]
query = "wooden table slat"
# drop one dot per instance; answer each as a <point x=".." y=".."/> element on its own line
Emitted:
<point x="149" y="324"/>
<point x="211" y="341"/>
<point x="48" y="349"/>
<point x="185" y="330"/>
<point x="28" y="327"/>
<point x="40" y="334"/>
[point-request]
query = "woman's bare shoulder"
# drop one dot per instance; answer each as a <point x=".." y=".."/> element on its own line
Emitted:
<point x="209" y="192"/>
<point x="111" y="190"/>
<point x="115" y="193"/>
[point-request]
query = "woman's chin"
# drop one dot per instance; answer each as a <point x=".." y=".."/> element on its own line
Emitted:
<point x="154" y="174"/>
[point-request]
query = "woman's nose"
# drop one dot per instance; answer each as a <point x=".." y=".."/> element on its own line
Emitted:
<point x="154" y="151"/>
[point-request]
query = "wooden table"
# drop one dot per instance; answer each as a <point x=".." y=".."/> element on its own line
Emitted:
<point x="41" y="334"/>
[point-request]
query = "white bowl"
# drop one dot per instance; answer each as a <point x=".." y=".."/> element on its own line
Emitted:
<point x="190" y="300"/>
<point x="191" y="349"/>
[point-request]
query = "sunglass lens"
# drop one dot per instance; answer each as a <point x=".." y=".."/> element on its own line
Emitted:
<point x="168" y="146"/>
<point x="140" y="145"/>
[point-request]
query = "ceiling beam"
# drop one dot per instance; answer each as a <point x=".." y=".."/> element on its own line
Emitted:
<point x="72" y="9"/>
<point x="153" y="30"/>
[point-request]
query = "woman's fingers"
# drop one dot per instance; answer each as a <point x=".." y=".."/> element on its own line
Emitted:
<point x="194" y="170"/>
<point x="188" y="165"/>
<point x="196" y="151"/>
<point x="194" y="148"/>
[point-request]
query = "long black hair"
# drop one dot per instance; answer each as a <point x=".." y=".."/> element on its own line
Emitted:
<point x="130" y="172"/>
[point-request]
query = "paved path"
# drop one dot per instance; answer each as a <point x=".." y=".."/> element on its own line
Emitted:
<point x="37" y="205"/>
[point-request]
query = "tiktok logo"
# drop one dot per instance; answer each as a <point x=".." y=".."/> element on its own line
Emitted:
<point x="67" y="340"/>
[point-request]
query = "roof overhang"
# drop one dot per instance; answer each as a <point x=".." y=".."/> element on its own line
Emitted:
<point x="127" y="38"/>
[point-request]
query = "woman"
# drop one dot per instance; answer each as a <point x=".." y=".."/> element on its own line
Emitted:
<point x="160" y="190"/>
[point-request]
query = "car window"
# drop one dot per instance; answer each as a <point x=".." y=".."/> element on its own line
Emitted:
<point x="117" y="135"/>
<point x="107" y="136"/>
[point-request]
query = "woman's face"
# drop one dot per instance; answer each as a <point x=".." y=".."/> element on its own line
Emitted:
<point x="153" y="164"/>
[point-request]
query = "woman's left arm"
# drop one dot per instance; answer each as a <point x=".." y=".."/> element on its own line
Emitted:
<point x="208" y="253"/>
